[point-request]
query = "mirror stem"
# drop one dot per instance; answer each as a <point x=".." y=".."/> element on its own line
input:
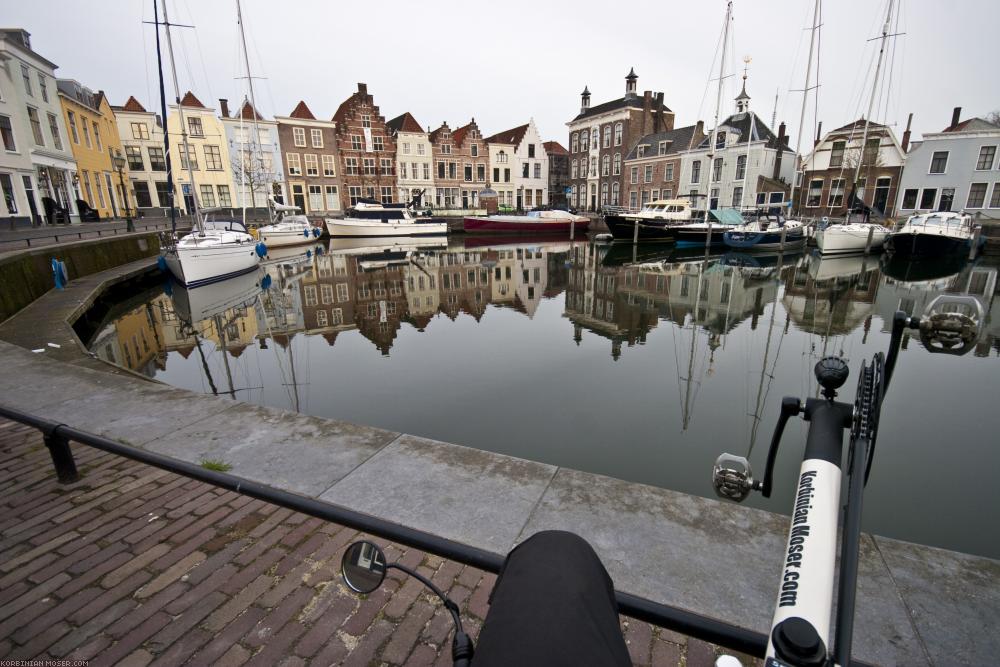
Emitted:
<point x="461" y="644"/>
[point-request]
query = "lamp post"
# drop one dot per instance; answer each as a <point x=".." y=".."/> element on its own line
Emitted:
<point x="120" y="166"/>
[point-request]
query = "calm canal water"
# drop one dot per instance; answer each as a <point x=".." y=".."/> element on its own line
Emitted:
<point x="644" y="368"/>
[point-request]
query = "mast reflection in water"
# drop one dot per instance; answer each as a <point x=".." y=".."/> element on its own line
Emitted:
<point x="640" y="363"/>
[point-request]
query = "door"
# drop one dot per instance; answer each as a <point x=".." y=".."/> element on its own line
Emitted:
<point x="188" y="198"/>
<point x="299" y="196"/>
<point x="881" y="200"/>
<point x="29" y="192"/>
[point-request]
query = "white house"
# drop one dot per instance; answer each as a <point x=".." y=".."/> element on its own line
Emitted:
<point x="256" y="162"/>
<point x="529" y="165"/>
<point x="953" y="170"/>
<point x="749" y="164"/>
<point x="36" y="161"/>
<point x="502" y="171"/>
<point x="414" y="163"/>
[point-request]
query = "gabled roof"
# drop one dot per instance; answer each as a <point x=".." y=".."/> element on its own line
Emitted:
<point x="247" y="112"/>
<point x="459" y="134"/>
<point x="189" y="100"/>
<point x="555" y="148"/>
<point x="512" y="136"/>
<point x="859" y="124"/>
<point x="634" y="102"/>
<point x="404" y="123"/>
<point x="680" y="139"/>
<point x="132" y="104"/>
<point x="435" y="133"/>
<point x="747" y="124"/>
<point x="973" y="125"/>
<point x="302" y="112"/>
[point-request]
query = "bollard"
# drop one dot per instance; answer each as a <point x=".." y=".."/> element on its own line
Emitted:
<point x="868" y="243"/>
<point x="784" y="230"/>
<point x="62" y="457"/>
<point x="635" y="232"/>
<point x="975" y="241"/>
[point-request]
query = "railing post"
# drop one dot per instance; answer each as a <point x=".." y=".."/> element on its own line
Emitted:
<point x="62" y="456"/>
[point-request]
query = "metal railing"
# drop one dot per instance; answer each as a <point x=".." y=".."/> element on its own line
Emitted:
<point x="82" y="232"/>
<point x="57" y="437"/>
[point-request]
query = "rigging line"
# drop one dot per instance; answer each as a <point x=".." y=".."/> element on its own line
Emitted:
<point x="819" y="45"/>
<point x="201" y="56"/>
<point x="795" y="65"/>
<point x="145" y="60"/>
<point x="711" y="68"/>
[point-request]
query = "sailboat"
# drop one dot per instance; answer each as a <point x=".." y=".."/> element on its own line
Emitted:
<point x="219" y="249"/>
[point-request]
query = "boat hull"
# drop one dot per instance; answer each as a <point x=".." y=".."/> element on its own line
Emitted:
<point x="197" y="266"/>
<point x="623" y="229"/>
<point x="749" y="241"/>
<point x="375" y="228"/>
<point x="281" y="238"/>
<point x="839" y="239"/>
<point x="907" y="244"/>
<point x="509" y="225"/>
<point x="692" y="238"/>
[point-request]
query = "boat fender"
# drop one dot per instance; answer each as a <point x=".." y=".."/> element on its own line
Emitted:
<point x="305" y="233"/>
<point x="265" y="282"/>
<point x="168" y="287"/>
<point x="315" y="233"/>
<point x="261" y="249"/>
<point x="59" y="273"/>
<point x="161" y="263"/>
<point x="319" y="250"/>
<point x="309" y="254"/>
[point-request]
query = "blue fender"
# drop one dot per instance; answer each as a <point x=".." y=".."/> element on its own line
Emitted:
<point x="309" y="254"/>
<point x="59" y="273"/>
<point x="305" y="233"/>
<point x="265" y="282"/>
<point x="315" y="233"/>
<point x="260" y="249"/>
<point x="161" y="263"/>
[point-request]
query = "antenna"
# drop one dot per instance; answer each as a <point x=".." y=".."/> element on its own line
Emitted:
<point x="774" y="114"/>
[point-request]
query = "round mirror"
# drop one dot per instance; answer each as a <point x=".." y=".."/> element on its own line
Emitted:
<point x="363" y="566"/>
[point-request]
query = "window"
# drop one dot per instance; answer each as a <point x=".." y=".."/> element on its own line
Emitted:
<point x="406" y="148"/>
<point x="527" y="198"/>
<point x="163" y="192"/>
<point x="355" y="142"/>
<point x="316" y="135"/>
<point x="605" y="165"/>
<point x="574" y="143"/>
<point x="667" y="193"/>
<point x="506" y="177"/>
<point x="927" y="198"/>
<point x="741" y="167"/>
<point x="633" y="199"/>
<point x="156" y="161"/>
<point x="377" y="143"/>
<point x="645" y="197"/>
<point x="656" y="195"/>
<point x="815" y="193"/>
<point x="696" y="171"/>
<point x="441" y="168"/>
<point x="713" y="199"/>
<point x="480" y="172"/>
<point x="354" y="194"/>
<point x="295" y="164"/>
<point x="315" y="197"/>
<point x="87" y="189"/>
<point x="634" y="175"/>
<point x="299" y="136"/>
<point x="604" y="194"/>
<point x="446" y="149"/>
<point x="420" y="149"/>
<point x="647" y="174"/>
<point x="86" y="132"/>
<point x="977" y="195"/>
<point x="134" y="156"/>
<point x="661" y="148"/>
<point x="616" y="168"/>
<point x="351" y="166"/>
<point x="467" y="172"/>
<point x="57" y="140"/>
<point x="986" y="155"/>
<point x="939" y="162"/>
<point x="995" y="199"/>
<point x="312" y="166"/>
<point x="720" y="140"/>
<point x="584" y="141"/>
<point x="225" y="198"/>
<point x="909" y="199"/>
<point x="7" y="134"/>
<point x="195" y="128"/>
<point x="737" y="196"/>
<point x="615" y="189"/>
<point x="594" y="138"/>
<point x="26" y="76"/>
<point x="836" y="197"/>
<point x="36" y="126"/>
<point x="717" y="170"/>
<point x="43" y="88"/>
<point x="207" y="196"/>
<point x="368" y="164"/>
<point x="309" y="291"/>
<point x="213" y="158"/>
<point x="607" y="136"/>
<point x="525" y="169"/>
<point x="366" y="120"/>
<point x="386" y="164"/>
<point x="8" y="193"/>
<point x="55" y="133"/>
<point x="837" y="153"/>
<point x="474" y="150"/>
<point x="332" y="198"/>
<point x="427" y="171"/>
<point x="947" y="199"/>
<point x="618" y="134"/>
<point x="72" y="127"/>
<point x="572" y="171"/>
<point x="640" y="150"/>
<point x="184" y="160"/>
<point x="329" y="168"/>
<point x="139" y="130"/>
<point x="386" y="195"/>
<point x="342" y="292"/>
<point x="142" y="197"/>
<point x="668" y="172"/>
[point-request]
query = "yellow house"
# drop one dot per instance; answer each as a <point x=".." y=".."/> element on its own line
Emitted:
<point x="210" y="162"/>
<point x="93" y="138"/>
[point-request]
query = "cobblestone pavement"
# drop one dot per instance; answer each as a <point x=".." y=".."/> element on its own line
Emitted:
<point x="134" y="566"/>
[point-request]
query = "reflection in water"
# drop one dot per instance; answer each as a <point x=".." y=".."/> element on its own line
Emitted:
<point x="575" y="354"/>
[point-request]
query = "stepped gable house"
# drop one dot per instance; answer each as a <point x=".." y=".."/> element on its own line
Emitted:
<point x="367" y="148"/>
<point x="602" y="135"/>
<point x="460" y="164"/>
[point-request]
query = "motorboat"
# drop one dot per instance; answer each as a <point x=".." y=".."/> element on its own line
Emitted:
<point x="711" y="231"/>
<point x="934" y="235"/>
<point x="769" y="231"/>
<point x="288" y="227"/>
<point x="217" y="250"/>
<point x="363" y="246"/>
<point x="534" y="222"/>
<point x="654" y="221"/>
<point x="370" y="218"/>
<point x="850" y="237"/>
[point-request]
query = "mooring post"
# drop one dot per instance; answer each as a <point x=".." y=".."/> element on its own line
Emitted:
<point x="635" y="232"/>
<point x="784" y="230"/>
<point x="62" y="456"/>
<point x="868" y="243"/>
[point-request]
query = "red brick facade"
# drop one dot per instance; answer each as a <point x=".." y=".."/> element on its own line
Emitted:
<point x="461" y="164"/>
<point x="311" y="162"/>
<point x="367" y="150"/>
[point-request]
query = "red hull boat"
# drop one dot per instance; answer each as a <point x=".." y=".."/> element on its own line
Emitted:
<point x="537" y="222"/>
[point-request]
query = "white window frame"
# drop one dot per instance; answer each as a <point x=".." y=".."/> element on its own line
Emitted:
<point x="930" y="164"/>
<point x="329" y="166"/>
<point x="299" y="137"/>
<point x="992" y="162"/>
<point x="314" y="134"/>
<point x="312" y="164"/>
<point x="294" y="164"/>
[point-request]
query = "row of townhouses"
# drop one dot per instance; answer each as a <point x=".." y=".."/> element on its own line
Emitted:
<point x="69" y="154"/>
<point x="627" y="152"/>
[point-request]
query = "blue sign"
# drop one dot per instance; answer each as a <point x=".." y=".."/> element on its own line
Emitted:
<point x="568" y="190"/>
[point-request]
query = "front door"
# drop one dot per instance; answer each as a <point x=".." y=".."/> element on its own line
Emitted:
<point x="188" y="198"/>
<point x="299" y="196"/>
<point x="29" y="192"/>
<point x="882" y="194"/>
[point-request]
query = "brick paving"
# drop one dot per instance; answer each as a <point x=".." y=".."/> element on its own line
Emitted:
<point x="135" y="566"/>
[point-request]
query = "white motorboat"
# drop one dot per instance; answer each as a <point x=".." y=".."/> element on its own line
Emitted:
<point x="219" y="250"/>
<point x="851" y="237"/>
<point x="289" y="227"/>
<point x="369" y="218"/>
<point x="934" y="235"/>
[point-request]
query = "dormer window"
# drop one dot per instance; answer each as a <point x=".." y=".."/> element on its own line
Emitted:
<point x="663" y="147"/>
<point x="720" y="140"/>
<point x="641" y="150"/>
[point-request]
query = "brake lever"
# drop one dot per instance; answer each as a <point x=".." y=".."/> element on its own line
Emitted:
<point x="790" y="407"/>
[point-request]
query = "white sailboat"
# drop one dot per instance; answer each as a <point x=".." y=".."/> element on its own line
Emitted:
<point x="288" y="227"/>
<point x="217" y="250"/>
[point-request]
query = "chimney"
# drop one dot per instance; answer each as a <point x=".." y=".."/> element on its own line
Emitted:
<point x="647" y="107"/>
<point x="224" y="107"/>
<point x="781" y="149"/>
<point x="906" y="134"/>
<point x="363" y="89"/>
<point x="955" y="115"/>
<point x="584" y="100"/>
<point x="819" y="133"/>
<point x="658" y="125"/>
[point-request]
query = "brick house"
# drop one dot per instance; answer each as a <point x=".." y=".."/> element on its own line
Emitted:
<point x="829" y="171"/>
<point x="367" y="148"/>
<point x="310" y="161"/>
<point x="461" y="162"/>
<point x="652" y="168"/>
<point x="601" y="136"/>
<point x="558" y="173"/>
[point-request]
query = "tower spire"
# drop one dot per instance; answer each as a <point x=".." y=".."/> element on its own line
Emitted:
<point x="743" y="100"/>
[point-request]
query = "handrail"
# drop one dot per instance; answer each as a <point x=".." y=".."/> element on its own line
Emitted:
<point x="57" y="437"/>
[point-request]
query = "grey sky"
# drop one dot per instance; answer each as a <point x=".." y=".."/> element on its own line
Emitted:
<point x="506" y="62"/>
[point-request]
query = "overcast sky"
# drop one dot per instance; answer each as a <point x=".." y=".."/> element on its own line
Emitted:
<point x="506" y="62"/>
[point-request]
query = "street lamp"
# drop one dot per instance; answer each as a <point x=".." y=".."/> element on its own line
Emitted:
<point x="119" y="162"/>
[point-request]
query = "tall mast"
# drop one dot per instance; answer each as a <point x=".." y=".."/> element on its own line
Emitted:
<point x="871" y="101"/>
<point x="180" y="113"/>
<point x="805" y="92"/>
<point x="253" y="100"/>
<point x="718" y="103"/>
<point x="166" y="135"/>
<point x="750" y="125"/>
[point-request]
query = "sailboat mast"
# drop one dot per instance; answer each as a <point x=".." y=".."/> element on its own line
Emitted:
<point x="715" y="126"/>
<point x="253" y="100"/>
<point x="871" y="100"/>
<point x="180" y="113"/>
<point x="805" y="92"/>
<point x="166" y="135"/>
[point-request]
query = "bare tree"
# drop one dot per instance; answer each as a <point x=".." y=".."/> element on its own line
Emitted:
<point x="993" y="117"/>
<point x="253" y="170"/>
